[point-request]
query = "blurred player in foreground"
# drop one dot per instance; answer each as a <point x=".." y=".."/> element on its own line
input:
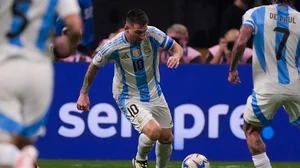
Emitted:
<point x="275" y="70"/>
<point x="26" y="73"/>
<point x="136" y="87"/>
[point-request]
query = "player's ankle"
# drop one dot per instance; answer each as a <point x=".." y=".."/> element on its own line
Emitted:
<point x="261" y="161"/>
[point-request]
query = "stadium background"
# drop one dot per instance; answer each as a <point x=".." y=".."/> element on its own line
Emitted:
<point x="207" y="110"/>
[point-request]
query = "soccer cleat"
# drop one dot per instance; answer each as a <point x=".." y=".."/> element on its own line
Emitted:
<point x="139" y="164"/>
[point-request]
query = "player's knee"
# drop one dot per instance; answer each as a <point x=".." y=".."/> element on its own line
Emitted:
<point x="166" y="139"/>
<point x="250" y="129"/>
<point x="153" y="130"/>
<point x="154" y="133"/>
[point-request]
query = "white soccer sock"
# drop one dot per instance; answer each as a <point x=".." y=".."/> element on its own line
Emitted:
<point x="144" y="147"/>
<point x="9" y="155"/>
<point x="261" y="161"/>
<point x="163" y="154"/>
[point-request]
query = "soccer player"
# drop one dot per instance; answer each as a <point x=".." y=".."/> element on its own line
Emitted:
<point x="86" y="43"/>
<point x="136" y="87"/>
<point x="275" y="70"/>
<point x="26" y="73"/>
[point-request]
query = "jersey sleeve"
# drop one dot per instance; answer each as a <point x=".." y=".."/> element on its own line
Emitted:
<point x="67" y="7"/>
<point x="102" y="55"/>
<point x="248" y="19"/>
<point x="160" y="37"/>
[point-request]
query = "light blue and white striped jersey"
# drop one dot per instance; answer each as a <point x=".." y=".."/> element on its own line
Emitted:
<point x="136" y="65"/>
<point x="276" y="48"/>
<point x="26" y="24"/>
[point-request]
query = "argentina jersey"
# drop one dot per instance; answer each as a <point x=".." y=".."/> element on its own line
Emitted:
<point x="136" y="65"/>
<point x="276" y="48"/>
<point x="26" y="24"/>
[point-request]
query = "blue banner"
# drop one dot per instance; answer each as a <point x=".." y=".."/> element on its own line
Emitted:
<point x="207" y="113"/>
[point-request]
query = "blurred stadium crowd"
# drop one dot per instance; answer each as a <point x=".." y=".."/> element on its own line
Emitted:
<point x="217" y="47"/>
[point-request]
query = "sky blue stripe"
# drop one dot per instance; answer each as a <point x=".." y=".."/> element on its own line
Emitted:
<point x="33" y="129"/>
<point x="155" y="65"/>
<point x="296" y="122"/>
<point x="283" y="72"/>
<point x="124" y="38"/>
<point x="10" y="125"/>
<point x="140" y="75"/>
<point x="110" y="45"/>
<point x="14" y="127"/>
<point x="17" y="22"/>
<point x="251" y="22"/>
<point x="297" y="56"/>
<point x="248" y="24"/>
<point x="259" y="19"/>
<point x="123" y="96"/>
<point x="257" y="111"/>
<point x="169" y="43"/>
<point x="47" y="23"/>
<point x="164" y="42"/>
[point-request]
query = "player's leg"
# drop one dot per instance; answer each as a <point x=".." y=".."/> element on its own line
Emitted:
<point x="256" y="146"/>
<point x="291" y="104"/>
<point x="37" y="101"/>
<point x="259" y="112"/>
<point x="11" y="117"/>
<point x="141" y="118"/>
<point x="15" y="149"/>
<point x="163" y="149"/>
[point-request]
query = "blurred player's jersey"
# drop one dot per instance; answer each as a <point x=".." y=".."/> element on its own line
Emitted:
<point x="86" y="7"/>
<point x="276" y="48"/>
<point x="26" y="24"/>
<point x="136" y="65"/>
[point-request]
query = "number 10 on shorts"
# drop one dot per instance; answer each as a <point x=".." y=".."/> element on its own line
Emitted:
<point x="133" y="110"/>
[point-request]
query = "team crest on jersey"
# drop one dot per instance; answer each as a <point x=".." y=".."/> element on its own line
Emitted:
<point x="136" y="52"/>
<point x="146" y="48"/>
<point x="147" y="51"/>
<point x="98" y="57"/>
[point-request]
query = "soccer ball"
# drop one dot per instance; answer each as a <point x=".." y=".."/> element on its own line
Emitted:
<point x="195" y="160"/>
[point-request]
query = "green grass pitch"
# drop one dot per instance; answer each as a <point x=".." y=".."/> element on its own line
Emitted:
<point x="127" y="164"/>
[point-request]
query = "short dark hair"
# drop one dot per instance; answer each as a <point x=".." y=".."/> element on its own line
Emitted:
<point x="137" y="16"/>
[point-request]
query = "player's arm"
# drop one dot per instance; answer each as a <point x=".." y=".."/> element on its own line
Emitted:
<point x="100" y="59"/>
<point x="176" y="50"/>
<point x="74" y="26"/>
<point x="89" y="78"/>
<point x="69" y="11"/>
<point x="247" y="29"/>
<point x="240" y="46"/>
<point x="167" y="43"/>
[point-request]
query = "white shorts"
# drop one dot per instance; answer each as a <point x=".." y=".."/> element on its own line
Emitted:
<point x="261" y="109"/>
<point x="139" y="113"/>
<point x="25" y="94"/>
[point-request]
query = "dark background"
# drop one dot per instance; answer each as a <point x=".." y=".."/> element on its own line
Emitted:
<point x="202" y="17"/>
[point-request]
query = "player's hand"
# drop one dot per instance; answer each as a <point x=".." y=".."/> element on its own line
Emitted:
<point x="173" y="62"/>
<point x="83" y="102"/>
<point x="234" y="77"/>
<point x="223" y="45"/>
